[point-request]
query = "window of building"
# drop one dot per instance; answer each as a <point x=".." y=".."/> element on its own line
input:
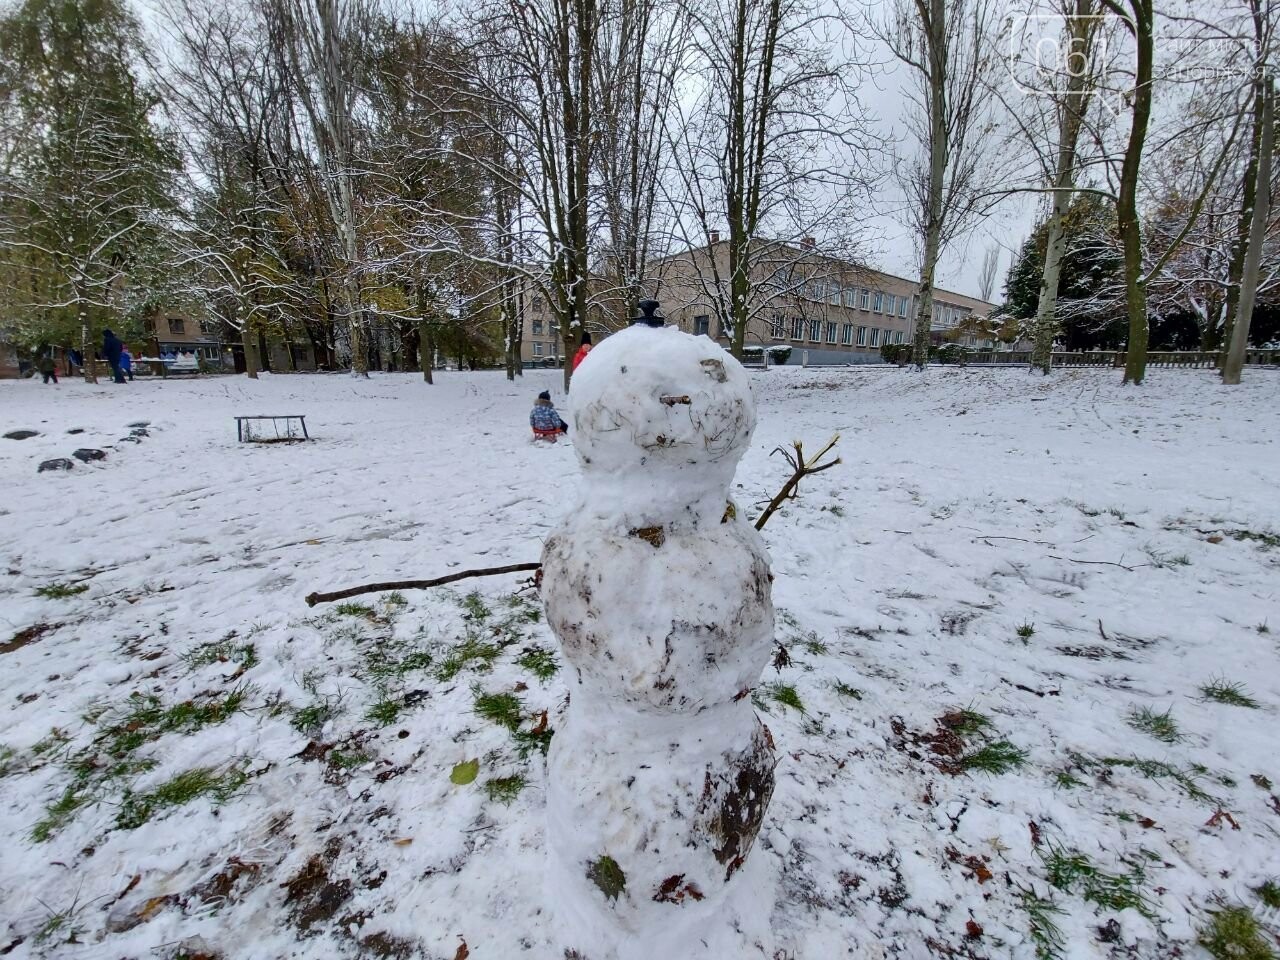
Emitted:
<point x="875" y="336"/>
<point x="208" y="326"/>
<point x="537" y="349"/>
<point x="878" y="304"/>
<point x="890" y="302"/>
<point x="846" y="334"/>
<point x="897" y="336"/>
<point x="902" y="306"/>
<point x="303" y="354"/>
<point x="538" y="304"/>
<point x="850" y="296"/>
<point x="555" y="328"/>
<point x="797" y="328"/>
<point x="777" y="327"/>
<point x="537" y="328"/>
<point x="862" y="336"/>
<point x="831" y="332"/>
<point x="833" y="294"/>
<point x="816" y="290"/>
<point x="701" y="326"/>
<point x="865" y="299"/>
<point x="176" y="325"/>
<point x="815" y="330"/>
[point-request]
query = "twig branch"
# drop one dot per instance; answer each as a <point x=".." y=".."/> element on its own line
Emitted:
<point x="801" y="468"/>
<point x="1105" y="563"/>
<point x="314" y="598"/>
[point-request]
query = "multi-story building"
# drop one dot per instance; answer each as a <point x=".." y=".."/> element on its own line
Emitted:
<point x="836" y="310"/>
<point x="833" y="309"/>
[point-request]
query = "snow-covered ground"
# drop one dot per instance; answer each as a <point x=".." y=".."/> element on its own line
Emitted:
<point x="1031" y="577"/>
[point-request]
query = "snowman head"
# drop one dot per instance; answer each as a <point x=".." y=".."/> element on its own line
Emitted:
<point x="661" y="419"/>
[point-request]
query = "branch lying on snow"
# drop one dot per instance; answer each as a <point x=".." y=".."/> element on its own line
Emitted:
<point x="314" y="598"/>
<point x="801" y="468"/>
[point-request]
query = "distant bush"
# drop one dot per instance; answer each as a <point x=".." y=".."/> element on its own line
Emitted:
<point x="951" y="353"/>
<point x="899" y="353"/>
<point x="779" y="354"/>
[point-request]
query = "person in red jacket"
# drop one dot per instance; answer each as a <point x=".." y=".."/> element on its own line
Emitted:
<point x="582" y="350"/>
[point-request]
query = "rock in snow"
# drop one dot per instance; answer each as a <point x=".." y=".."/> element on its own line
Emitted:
<point x="660" y="776"/>
<point x="60" y="463"/>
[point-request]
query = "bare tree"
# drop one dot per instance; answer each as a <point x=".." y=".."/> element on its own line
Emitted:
<point x="770" y="155"/>
<point x="322" y="43"/>
<point x="948" y="49"/>
<point x="987" y="275"/>
<point x="1068" y="94"/>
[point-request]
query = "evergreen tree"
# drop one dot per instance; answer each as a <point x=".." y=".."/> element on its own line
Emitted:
<point x="1090" y="304"/>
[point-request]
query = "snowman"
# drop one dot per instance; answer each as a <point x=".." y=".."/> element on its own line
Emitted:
<point x="659" y="593"/>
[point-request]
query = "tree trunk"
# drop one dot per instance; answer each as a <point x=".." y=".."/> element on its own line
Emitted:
<point x="1072" y="109"/>
<point x="1231" y="369"/>
<point x="251" y="361"/>
<point x="938" y="158"/>
<point x="90" y="374"/>
<point x="1129" y="226"/>
<point x="425" y="348"/>
<point x="1248" y="191"/>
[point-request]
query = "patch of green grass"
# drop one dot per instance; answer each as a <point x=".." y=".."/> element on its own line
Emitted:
<point x="1116" y="512"/>
<point x="994" y="758"/>
<point x="1066" y="780"/>
<point x="475" y="607"/>
<point x="1026" y="631"/>
<point x="147" y="719"/>
<point x="527" y="741"/>
<point x="844" y="690"/>
<point x="59" y="813"/>
<point x="1159" y="770"/>
<point x="813" y="646"/>
<point x="1262" y="628"/>
<point x="312" y="717"/>
<point x="353" y="609"/>
<point x="1267" y="539"/>
<point x="382" y="665"/>
<point x="785" y="694"/>
<point x="539" y="661"/>
<point x="1043" y="927"/>
<point x="1162" y="726"/>
<point x="1073" y="872"/>
<point x="967" y="723"/>
<point x="347" y="759"/>
<point x="1233" y="933"/>
<point x="385" y="710"/>
<point x="61" y="591"/>
<point x="57" y="927"/>
<point x="138" y="808"/>
<point x="56" y="739"/>
<point x="222" y="651"/>
<point x="473" y="653"/>
<point x="504" y="790"/>
<point x="1220" y="690"/>
<point x="1269" y="893"/>
<point x="395" y="599"/>
<point x="505" y="709"/>
<point x="1163" y="561"/>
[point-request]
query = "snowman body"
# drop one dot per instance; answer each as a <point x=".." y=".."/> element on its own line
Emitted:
<point x="659" y="592"/>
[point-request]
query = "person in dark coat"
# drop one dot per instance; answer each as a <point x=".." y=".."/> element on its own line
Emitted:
<point x="544" y="419"/>
<point x="48" y="369"/>
<point x="111" y="350"/>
